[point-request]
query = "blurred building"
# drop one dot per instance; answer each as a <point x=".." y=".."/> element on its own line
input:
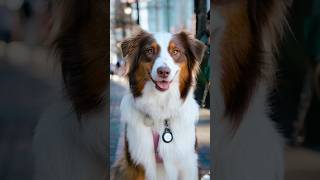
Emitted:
<point x="153" y="15"/>
<point x="166" y="15"/>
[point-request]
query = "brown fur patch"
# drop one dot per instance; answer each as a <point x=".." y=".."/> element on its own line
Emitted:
<point x="185" y="79"/>
<point x="81" y="43"/>
<point x="139" y="76"/>
<point x="192" y="51"/>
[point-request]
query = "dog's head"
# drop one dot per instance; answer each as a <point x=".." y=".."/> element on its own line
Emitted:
<point x="163" y="59"/>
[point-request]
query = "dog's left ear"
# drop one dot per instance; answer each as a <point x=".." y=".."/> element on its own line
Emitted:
<point x="196" y="47"/>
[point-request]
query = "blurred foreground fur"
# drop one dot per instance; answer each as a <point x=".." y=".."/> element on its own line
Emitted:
<point x="247" y="146"/>
<point x="70" y="138"/>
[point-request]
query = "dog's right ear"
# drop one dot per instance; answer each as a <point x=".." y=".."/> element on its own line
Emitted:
<point x="129" y="46"/>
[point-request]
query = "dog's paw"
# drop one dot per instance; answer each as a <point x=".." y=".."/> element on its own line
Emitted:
<point x="205" y="177"/>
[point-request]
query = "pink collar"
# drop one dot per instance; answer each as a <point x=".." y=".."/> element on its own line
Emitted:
<point x="155" y="145"/>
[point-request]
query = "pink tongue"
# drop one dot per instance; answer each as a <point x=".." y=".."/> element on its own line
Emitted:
<point x="163" y="85"/>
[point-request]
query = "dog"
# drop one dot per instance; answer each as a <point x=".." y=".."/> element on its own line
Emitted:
<point x="247" y="145"/>
<point x="160" y="112"/>
<point x="70" y="141"/>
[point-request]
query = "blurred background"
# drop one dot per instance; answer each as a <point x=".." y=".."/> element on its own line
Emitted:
<point x="295" y="101"/>
<point x="28" y="77"/>
<point x="159" y="16"/>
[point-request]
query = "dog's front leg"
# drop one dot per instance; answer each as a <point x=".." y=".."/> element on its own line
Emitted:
<point x="190" y="168"/>
<point x="171" y="170"/>
<point x="141" y="148"/>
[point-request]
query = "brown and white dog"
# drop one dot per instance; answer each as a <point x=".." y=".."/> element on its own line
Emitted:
<point x="246" y="143"/>
<point x="70" y="141"/>
<point x="162" y="72"/>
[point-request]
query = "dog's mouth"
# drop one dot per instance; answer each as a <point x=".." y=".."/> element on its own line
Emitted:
<point x="162" y="85"/>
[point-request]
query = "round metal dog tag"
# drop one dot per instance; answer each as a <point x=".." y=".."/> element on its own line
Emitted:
<point x="167" y="136"/>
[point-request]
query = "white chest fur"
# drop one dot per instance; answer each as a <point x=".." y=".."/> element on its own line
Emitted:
<point x="179" y="156"/>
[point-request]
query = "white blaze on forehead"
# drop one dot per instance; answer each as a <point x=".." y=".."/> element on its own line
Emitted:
<point x="164" y="58"/>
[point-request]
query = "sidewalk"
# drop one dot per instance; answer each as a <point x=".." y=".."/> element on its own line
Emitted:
<point x="118" y="88"/>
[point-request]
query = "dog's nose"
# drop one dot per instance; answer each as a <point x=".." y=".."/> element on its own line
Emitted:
<point x="163" y="71"/>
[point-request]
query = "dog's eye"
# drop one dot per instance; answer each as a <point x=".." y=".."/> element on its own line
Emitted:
<point x="149" y="51"/>
<point x="175" y="51"/>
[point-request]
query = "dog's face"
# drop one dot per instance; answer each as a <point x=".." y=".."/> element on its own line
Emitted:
<point x="163" y="59"/>
<point x="167" y="61"/>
